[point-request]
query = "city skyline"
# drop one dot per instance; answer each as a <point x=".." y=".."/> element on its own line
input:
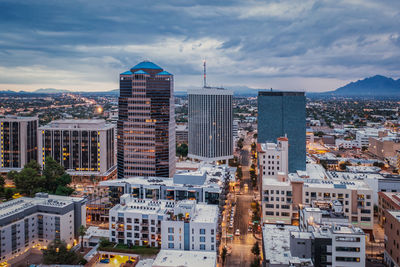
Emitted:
<point x="82" y="46"/>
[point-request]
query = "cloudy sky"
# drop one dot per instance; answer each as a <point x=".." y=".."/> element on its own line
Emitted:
<point x="314" y="45"/>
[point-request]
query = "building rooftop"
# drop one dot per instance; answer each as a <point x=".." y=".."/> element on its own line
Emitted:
<point x="164" y="73"/>
<point x="198" y="212"/>
<point x="78" y="124"/>
<point x="140" y="72"/>
<point x="17" y="118"/>
<point x="127" y="73"/>
<point x="168" y="258"/>
<point x="16" y="206"/>
<point x="94" y="231"/>
<point x="146" y="65"/>
<point x="395" y="214"/>
<point x="277" y="244"/>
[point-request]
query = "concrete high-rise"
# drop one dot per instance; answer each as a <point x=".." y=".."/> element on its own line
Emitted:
<point x="19" y="142"/>
<point x="146" y="122"/>
<point x="84" y="148"/>
<point x="210" y="124"/>
<point x="280" y="114"/>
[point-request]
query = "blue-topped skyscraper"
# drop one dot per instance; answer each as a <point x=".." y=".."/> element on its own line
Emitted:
<point x="280" y="114"/>
<point x="146" y="122"/>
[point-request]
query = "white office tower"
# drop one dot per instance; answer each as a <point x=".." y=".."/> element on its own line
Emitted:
<point x="174" y="225"/>
<point x="210" y="124"/>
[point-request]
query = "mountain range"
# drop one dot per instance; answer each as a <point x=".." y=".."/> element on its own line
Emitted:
<point x="376" y="86"/>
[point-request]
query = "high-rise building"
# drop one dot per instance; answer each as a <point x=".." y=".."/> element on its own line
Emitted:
<point x="284" y="114"/>
<point x="82" y="147"/>
<point x="19" y="144"/>
<point x="210" y="124"/>
<point x="146" y="122"/>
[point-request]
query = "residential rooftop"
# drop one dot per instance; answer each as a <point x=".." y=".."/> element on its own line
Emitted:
<point x="168" y="258"/>
<point x="395" y="214"/>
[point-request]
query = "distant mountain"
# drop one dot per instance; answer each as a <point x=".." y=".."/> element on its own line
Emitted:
<point x="50" y="91"/>
<point x="376" y="86"/>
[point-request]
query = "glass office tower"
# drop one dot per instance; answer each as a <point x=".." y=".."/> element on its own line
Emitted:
<point x="146" y="122"/>
<point x="280" y="114"/>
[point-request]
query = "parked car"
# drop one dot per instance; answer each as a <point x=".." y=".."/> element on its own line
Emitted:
<point x="237" y="233"/>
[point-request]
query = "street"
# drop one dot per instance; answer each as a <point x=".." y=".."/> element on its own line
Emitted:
<point x="241" y="245"/>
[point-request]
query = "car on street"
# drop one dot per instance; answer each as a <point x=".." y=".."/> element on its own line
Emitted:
<point x="237" y="233"/>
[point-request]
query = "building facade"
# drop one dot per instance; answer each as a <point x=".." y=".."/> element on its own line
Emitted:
<point x="177" y="225"/>
<point x="391" y="255"/>
<point x="146" y="122"/>
<point x="210" y="124"/>
<point x="284" y="114"/>
<point x="82" y="147"/>
<point x="27" y="223"/>
<point x="19" y="142"/>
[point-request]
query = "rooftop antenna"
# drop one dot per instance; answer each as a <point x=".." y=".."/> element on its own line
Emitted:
<point x="204" y="73"/>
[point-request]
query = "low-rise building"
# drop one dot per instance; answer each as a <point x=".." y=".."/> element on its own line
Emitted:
<point x="347" y="144"/>
<point x="27" y="223"/>
<point x="203" y="185"/>
<point x="182" y="133"/>
<point x="179" y="225"/>
<point x="169" y="258"/>
<point x="384" y="147"/>
<point x="391" y="256"/>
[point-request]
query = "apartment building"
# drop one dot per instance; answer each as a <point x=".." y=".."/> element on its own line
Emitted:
<point x="84" y="148"/>
<point x="178" y="225"/>
<point x="19" y="143"/>
<point x="391" y="254"/>
<point x="27" y="223"/>
<point x="387" y="201"/>
<point x="273" y="158"/>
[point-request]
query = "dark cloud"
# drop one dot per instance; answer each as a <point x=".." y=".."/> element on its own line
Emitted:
<point x="245" y="42"/>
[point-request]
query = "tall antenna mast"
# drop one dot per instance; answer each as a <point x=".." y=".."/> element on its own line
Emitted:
<point x="204" y="70"/>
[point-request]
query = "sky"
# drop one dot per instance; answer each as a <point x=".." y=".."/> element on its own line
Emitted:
<point x="311" y="45"/>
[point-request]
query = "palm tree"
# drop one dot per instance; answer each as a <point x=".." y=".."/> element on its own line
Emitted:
<point x="82" y="233"/>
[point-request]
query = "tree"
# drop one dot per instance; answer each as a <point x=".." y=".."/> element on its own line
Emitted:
<point x="8" y="193"/>
<point x="239" y="173"/>
<point x="28" y="181"/>
<point x="34" y="165"/>
<point x="182" y="150"/>
<point x="58" y="253"/>
<point x="256" y="262"/>
<point x="52" y="172"/>
<point x="104" y="242"/>
<point x="224" y="253"/>
<point x="256" y="249"/>
<point x="82" y="233"/>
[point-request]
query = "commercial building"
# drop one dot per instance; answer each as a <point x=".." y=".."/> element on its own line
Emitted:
<point x="384" y="147"/>
<point x="19" y="144"/>
<point x="391" y="256"/>
<point x="273" y="158"/>
<point x="387" y="201"/>
<point x="347" y="144"/>
<point x="205" y="185"/>
<point x="282" y="194"/>
<point x="276" y="245"/>
<point x="334" y="241"/>
<point x="27" y="223"/>
<point x="210" y="124"/>
<point x="182" y="134"/>
<point x="284" y="114"/>
<point x="83" y="147"/>
<point x="146" y="122"/>
<point x="178" y="225"/>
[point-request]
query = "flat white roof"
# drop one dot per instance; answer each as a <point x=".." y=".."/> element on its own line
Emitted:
<point x="277" y="244"/>
<point x="205" y="213"/>
<point x="173" y="258"/>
